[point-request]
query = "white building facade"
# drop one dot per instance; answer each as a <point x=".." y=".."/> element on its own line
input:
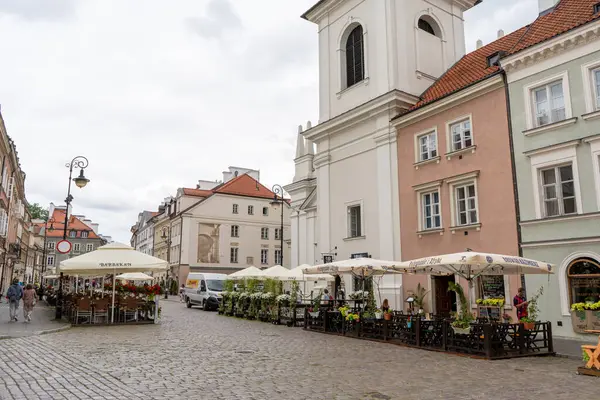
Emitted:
<point x="375" y="58"/>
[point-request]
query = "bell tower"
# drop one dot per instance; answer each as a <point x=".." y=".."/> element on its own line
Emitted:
<point x="370" y="47"/>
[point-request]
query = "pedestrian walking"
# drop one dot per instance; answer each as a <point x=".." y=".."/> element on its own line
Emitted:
<point x="14" y="295"/>
<point x="29" y="299"/>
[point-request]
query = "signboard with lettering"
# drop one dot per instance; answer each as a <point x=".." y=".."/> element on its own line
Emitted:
<point x="492" y="286"/>
<point x="360" y="255"/>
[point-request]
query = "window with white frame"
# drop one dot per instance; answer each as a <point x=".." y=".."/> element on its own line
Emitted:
<point x="50" y="260"/>
<point x="549" y="103"/>
<point x="235" y="231"/>
<point x="461" y="135"/>
<point x="278" y="257"/>
<point x="265" y="211"/>
<point x="264" y="233"/>
<point x="354" y="221"/>
<point x="427" y="146"/>
<point x="465" y="199"/>
<point x="51" y="245"/>
<point x="89" y="247"/>
<point x="233" y="255"/>
<point x="76" y="247"/>
<point x="84" y="234"/>
<point x="596" y="83"/>
<point x="430" y="210"/>
<point x="73" y="234"/>
<point x="250" y="210"/>
<point x="277" y="233"/>
<point x="558" y="190"/>
<point x="235" y="208"/>
<point x="264" y="256"/>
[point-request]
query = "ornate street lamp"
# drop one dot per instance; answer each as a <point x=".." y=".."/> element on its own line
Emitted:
<point x="167" y="238"/>
<point x="78" y="162"/>
<point x="278" y="199"/>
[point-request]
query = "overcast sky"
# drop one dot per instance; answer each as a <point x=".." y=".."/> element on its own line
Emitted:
<point x="160" y="94"/>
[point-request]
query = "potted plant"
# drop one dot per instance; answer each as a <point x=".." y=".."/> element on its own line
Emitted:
<point x="419" y="298"/>
<point x="378" y="313"/>
<point x="532" y="310"/>
<point x="314" y="310"/>
<point x="462" y="321"/>
<point x="506" y="318"/>
<point x="388" y="314"/>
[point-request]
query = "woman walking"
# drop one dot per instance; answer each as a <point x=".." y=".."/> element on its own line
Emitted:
<point x="29" y="299"/>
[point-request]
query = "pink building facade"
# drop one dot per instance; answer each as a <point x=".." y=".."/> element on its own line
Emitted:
<point x="456" y="189"/>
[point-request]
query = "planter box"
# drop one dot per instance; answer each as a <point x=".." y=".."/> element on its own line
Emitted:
<point x="579" y="320"/>
<point x="593" y="320"/>
<point x="314" y="314"/>
<point x="461" y="331"/>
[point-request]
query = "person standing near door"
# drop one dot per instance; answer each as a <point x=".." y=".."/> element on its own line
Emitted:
<point x="520" y="303"/>
<point x="29" y="299"/>
<point x="14" y="295"/>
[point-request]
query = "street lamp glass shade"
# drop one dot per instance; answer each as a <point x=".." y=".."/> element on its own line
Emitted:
<point x="51" y="228"/>
<point x="81" y="180"/>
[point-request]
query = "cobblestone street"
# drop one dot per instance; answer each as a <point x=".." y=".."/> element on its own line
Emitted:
<point x="199" y="355"/>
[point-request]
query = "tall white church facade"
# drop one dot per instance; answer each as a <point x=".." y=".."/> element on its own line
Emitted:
<point x="375" y="58"/>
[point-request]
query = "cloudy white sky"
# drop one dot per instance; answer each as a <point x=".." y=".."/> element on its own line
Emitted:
<point x="160" y="94"/>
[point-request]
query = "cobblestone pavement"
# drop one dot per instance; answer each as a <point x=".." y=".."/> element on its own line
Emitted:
<point x="199" y="355"/>
<point x="41" y="321"/>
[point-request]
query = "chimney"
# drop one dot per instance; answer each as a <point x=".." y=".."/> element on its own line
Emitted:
<point x="95" y="228"/>
<point x="546" y="6"/>
<point x="500" y="33"/>
<point x="479" y="44"/>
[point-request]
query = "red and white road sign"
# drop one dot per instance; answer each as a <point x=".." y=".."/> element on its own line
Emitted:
<point x="63" y="247"/>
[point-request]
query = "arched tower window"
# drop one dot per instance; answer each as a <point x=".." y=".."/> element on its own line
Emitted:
<point x="355" y="57"/>
<point x="426" y="26"/>
<point x="584" y="280"/>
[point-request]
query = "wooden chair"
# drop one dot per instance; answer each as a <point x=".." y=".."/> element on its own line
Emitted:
<point x="101" y="310"/>
<point x="130" y="309"/>
<point x="83" y="309"/>
<point x="593" y="352"/>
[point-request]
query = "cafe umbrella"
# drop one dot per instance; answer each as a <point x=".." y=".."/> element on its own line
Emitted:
<point x="112" y="258"/>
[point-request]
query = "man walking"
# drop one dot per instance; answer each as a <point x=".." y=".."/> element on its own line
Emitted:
<point x="14" y="295"/>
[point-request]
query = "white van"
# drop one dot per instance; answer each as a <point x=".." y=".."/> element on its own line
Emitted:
<point x="204" y="290"/>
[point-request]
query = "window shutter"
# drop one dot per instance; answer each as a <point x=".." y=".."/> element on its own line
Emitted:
<point x="11" y="184"/>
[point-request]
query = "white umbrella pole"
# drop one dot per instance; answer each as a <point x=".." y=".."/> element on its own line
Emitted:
<point x="112" y="310"/>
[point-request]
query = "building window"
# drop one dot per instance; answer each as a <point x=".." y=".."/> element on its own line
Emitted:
<point x="426" y="26"/>
<point x="355" y="57"/>
<point x="51" y="245"/>
<point x="278" y="260"/>
<point x="558" y="191"/>
<point x="584" y="280"/>
<point x="264" y="233"/>
<point x="277" y="233"/>
<point x="354" y="221"/>
<point x="264" y="256"/>
<point x="89" y="247"/>
<point x="235" y="208"/>
<point x="50" y="260"/>
<point x="250" y="210"/>
<point x="76" y="247"/>
<point x="430" y="206"/>
<point x="461" y="135"/>
<point x="84" y="234"/>
<point x="265" y="211"/>
<point x="549" y="103"/>
<point x="427" y="146"/>
<point x="235" y="230"/>
<point x="250" y="260"/>
<point x="466" y="204"/>
<point x="233" y="255"/>
<point x="596" y="79"/>
<point x="73" y="234"/>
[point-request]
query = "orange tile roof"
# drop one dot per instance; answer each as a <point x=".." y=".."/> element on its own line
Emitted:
<point x="197" y="192"/>
<point x="74" y="223"/>
<point x="245" y="185"/>
<point x="473" y="68"/>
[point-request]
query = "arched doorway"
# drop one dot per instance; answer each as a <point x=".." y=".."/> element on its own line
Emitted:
<point x="583" y="279"/>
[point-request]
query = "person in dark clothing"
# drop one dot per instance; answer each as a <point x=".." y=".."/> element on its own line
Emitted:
<point x="520" y="303"/>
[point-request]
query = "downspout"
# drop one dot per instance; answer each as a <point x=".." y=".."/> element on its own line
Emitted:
<point x="512" y="163"/>
<point x="298" y="237"/>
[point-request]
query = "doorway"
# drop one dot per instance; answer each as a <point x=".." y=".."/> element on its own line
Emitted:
<point x="445" y="301"/>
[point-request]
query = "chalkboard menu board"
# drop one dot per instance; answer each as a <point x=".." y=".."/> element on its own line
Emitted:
<point x="492" y="286"/>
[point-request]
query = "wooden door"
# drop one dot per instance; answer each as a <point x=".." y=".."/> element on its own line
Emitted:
<point x="445" y="301"/>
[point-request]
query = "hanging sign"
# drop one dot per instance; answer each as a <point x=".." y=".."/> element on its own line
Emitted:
<point x="63" y="247"/>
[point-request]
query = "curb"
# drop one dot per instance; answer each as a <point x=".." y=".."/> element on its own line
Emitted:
<point x="39" y="333"/>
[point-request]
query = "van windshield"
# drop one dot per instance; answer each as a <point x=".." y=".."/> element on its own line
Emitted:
<point x="214" y="285"/>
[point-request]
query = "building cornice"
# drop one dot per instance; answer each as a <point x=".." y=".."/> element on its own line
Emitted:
<point x="554" y="147"/>
<point x="304" y="183"/>
<point x="379" y="105"/>
<point x="550" y="48"/>
<point x="320" y="9"/>
<point x="486" y="86"/>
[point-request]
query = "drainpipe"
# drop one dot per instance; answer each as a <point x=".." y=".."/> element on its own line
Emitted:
<point x="298" y="237"/>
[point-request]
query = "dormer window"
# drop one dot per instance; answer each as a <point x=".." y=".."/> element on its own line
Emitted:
<point x="73" y="234"/>
<point x="494" y="59"/>
<point x="84" y="234"/>
<point x="596" y="8"/>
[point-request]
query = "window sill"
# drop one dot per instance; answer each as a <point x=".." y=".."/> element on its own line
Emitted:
<point x="591" y="116"/>
<point x="364" y="82"/>
<point x="470" y="149"/>
<point x="430" y="232"/>
<point x="425" y="162"/>
<point x="550" y="127"/>
<point x="476" y="227"/>
<point x="354" y="238"/>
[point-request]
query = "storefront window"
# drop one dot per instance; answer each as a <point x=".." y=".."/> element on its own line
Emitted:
<point x="584" y="281"/>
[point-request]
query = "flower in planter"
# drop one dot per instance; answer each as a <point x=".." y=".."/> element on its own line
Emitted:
<point x="506" y="317"/>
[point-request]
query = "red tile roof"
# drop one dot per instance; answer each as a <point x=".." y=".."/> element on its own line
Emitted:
<point x="473" y="67"/>
<point x="74" y="223"/>
<point x="245" y="185"/>
<point x="197" y="192"/>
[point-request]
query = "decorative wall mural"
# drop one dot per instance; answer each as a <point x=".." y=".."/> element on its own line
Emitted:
<point x="208" y="243"/>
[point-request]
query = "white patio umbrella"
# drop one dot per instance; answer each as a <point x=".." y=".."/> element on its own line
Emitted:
<point x="297" y="274"/>
<point x="275" y="272"/>
<point x="363" y="267"/>
<point x="471" y="264"/>
<point x="112" y="258"/>
<point x="250" y="272"/>
<point x="135" y="276"/>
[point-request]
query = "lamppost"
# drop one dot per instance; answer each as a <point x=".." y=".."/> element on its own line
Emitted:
<point x="278" y="199"/>
<point x="167" y="238"/>
<point x="78" y="162"/>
